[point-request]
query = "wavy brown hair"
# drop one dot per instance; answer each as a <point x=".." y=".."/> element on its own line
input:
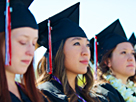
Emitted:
<point x="103" y="66"/>
<point x="28" y="87"/>
<point x="60" y="71"/>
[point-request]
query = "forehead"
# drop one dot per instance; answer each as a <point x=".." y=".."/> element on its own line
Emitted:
<point x="78" y="38"/>
<point x="125" y="46"/>
<point x="24" y="31"/>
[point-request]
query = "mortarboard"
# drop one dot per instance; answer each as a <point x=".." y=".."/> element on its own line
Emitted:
<point x="63" y="25"/>
<point x="14" y="14"/>
<point x="132" y="39"/>
<point x="27" y="2"/>
<point x="20" y="15"/>
<point x="92" y="49"/>
<point x="109" y="38"/>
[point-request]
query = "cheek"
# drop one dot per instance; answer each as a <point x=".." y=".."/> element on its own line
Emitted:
<point x="118" y="62"/>
<point x="89" y="55"/>
<point x="70" y="60"/>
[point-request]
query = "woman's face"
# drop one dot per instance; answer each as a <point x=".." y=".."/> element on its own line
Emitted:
<point x="23" y="42"/>
<point x="122" y="62"/>
<point x="77" y="55"/>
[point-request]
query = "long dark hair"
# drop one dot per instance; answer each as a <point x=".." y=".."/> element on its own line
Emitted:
<point x="29" y="80"/>
<point x="60" y="71"/>
<point x="103" y="66"/>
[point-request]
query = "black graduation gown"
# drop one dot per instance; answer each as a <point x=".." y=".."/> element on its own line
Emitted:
<point x="24" y="97"/>
<point x="109" y="92"/>
<point x="54" y="91"/>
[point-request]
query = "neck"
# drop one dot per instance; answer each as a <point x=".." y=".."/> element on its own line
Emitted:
<point x="71" y="79"/>
<point x="10" y="80"/>
<point x="12" y="85"/>
<point x="123" y="78"/>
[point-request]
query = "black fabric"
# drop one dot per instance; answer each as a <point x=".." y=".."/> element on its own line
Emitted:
<point x="132" y="39"/>
<point x="20" y="15"/>
<point x="23" y="96"/>
<point x="92" y="50"/>
<point x="27" y="2"/>
<point x="109" y="92"/>
<point x="54" y="91"/>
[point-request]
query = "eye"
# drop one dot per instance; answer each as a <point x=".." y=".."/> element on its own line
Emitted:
<point x="22" y="43"/>
<point x="123" y="52"/>
<point x="88" y="45"/>
<point x="77" y="43"/>
<point x="34" y="44"/>
<point x="133" y="53"/>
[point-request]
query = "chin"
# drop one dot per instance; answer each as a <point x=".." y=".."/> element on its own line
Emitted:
<point x="130" y="74"/>
<point x="21" y="72"/>
<point x="83" y="72"/>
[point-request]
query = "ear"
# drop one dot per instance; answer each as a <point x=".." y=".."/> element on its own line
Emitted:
<point x="109" y="63"/>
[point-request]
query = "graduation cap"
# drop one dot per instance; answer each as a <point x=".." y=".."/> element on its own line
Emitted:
<point x="105" y="41"/>
<point x="63" y="25"/>
<point x="92" y="49"/>
<point x="132" y="39"/>
<point x="109" y="38"/>
<point x="27" y="2"/>
<point x="20" y="14"/>
<point x="14" y="14"/>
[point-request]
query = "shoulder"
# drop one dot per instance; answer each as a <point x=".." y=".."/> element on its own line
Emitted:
<point x="108" y="87"/>
<point x="109" y="92"/>
<point x="48" y="85"/>
<point x="22" y="93"/>
<point x="98" y="98"/>
<point x="53" y="90"/>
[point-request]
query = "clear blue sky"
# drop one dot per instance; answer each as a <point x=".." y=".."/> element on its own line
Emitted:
<point x="95" y="15"/>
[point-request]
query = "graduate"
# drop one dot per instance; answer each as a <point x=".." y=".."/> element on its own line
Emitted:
<point x="70" y="57"/>
<point x="18" y="36"/>
<point x="116" y="70"/>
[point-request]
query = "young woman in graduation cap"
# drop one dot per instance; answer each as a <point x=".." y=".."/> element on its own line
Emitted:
<point x="116" y="64"/>
<point x="70" y="57"/>
<point x="18" y="36"/>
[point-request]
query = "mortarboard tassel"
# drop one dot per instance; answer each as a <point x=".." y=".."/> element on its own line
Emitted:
<point x="7" y="34"/>
<point x="50" y="48"/>
<point x="95" y="58"/>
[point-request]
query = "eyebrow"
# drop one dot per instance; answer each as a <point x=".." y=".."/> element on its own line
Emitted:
<point x="126" y="49"/>
<point x="88" y="40"/>
<point x="27" y="36"/>
<point x="78" y="38"/>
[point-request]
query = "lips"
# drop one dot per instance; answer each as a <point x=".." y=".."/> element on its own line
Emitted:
<point x="130" y="65"/>
<point x="26" y="61"/>
<point x="84" y="62"/>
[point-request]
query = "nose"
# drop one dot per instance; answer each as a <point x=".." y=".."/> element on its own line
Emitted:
<point x="30" y="50"/>
<point x="85" y="51"/>
<point x="131" y="57"/>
